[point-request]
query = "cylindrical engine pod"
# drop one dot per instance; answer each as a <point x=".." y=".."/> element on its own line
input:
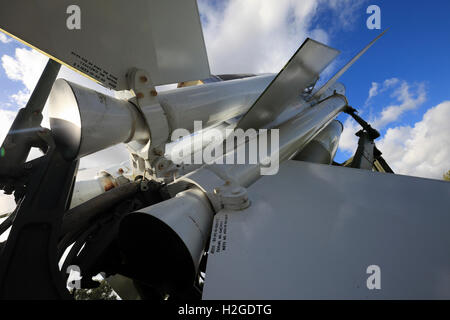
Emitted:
<point x="323" y="147"/>
<point x="84" y="121"/>
<point x="164" y="243"/>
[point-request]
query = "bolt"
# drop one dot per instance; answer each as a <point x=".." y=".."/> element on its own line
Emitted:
<point x="139" y="95"/>
<point x="120" y="171"/>
<point x="143" y="79"/>
<point x="153" y="93"/>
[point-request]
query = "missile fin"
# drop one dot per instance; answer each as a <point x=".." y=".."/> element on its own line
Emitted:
<point x="300" y="72"/>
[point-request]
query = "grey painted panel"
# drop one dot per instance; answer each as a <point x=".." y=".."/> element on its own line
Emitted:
<point x="312" y="230"/>
<point x="163" y="37"/>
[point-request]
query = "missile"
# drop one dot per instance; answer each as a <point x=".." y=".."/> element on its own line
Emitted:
<point x="164" y="243"/>
<point x="323" y="147"/>
<point x="85" y="121"/>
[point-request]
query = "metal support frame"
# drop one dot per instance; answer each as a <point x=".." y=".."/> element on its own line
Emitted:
<point x="43" y="188"/>
<point x="22" y="134"/>
<point x="29" y="265"/>
<point x="364" y="157"/>
<point x="367" y="155"/>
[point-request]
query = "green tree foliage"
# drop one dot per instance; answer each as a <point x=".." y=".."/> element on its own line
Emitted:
<point x="103" y="292"/>
<point x="447" y="176"/>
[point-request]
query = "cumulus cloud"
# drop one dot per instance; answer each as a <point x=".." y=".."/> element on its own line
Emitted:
<point x="373" y="91"/>
<point x="421" y="150"/>
<point x="409" y="96"/>
<point x="258" y="36"/>
<point x="25" y="66"/>
<point x="7" y="203"/>
<point x="388" y="83"/>
<point x="4" y="38"/>
<point x="6" y="119"/>
<point x="349" y="141"/>
<point x="346" y="11"/>
<point x="378" y="88"/>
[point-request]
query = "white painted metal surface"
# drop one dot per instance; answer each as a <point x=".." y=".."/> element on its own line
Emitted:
<point x="163" y="37"/>
<point x="301" y="71"/>
<point x="313" y="230"/>
<point x="211" y="103"/>
<point x="84" y="121"/>
<point x="323" y="147"/>
<point x="294" y="135"/>
<point x="167" y="240"/>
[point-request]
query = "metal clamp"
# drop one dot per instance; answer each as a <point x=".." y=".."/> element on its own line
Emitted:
<point x="223" y="193"/>
<point x="150" y="158"/>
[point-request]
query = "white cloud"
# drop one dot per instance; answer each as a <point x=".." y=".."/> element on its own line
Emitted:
<point x="388" y="83"/>
<point x="349" y="142"/>
<point x="345" y="10"/>
<point x="422" y="150"/>
<point x="373" y="90"/>
<point x="6" y="119"/>
<point x="7" y="203"/>
<point x="260" y="36"/>
<point x="410" y="98"/>
<point x="26" y="66"/>
<point x="4" y="38"/>
<point x="378" y="88"/>
<point x="254" y="35"/>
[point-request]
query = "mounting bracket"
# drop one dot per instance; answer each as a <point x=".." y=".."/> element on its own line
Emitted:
<point x="149" y="159"/>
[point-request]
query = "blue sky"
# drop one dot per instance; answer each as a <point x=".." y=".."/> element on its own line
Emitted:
<point x="416" y="49"/>
<point x="408" y="69"/>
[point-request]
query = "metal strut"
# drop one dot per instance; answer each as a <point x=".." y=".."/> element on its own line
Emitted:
<point x="43" y="188"/>
<point x="367" y="155"/>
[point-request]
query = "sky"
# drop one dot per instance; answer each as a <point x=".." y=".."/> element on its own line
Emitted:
<point x="401" y="85"/>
